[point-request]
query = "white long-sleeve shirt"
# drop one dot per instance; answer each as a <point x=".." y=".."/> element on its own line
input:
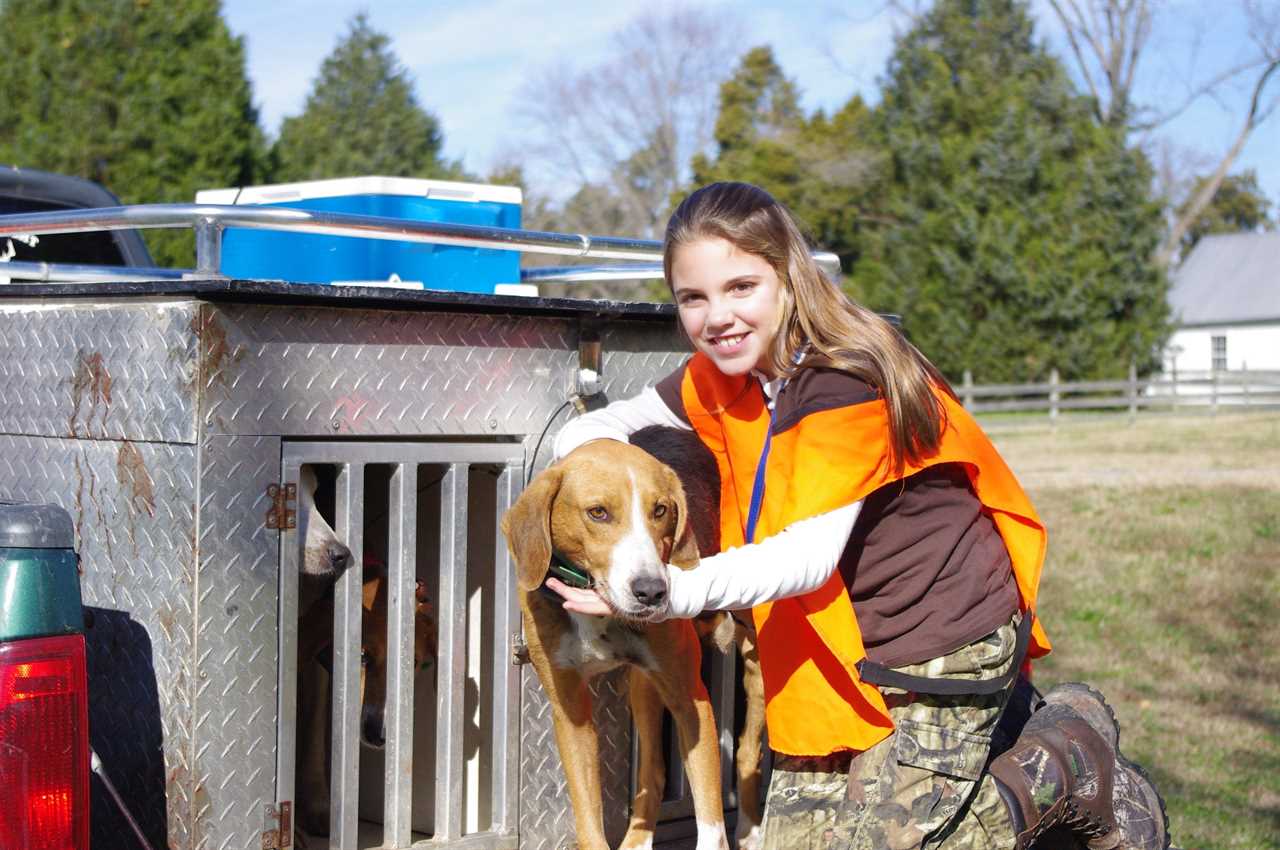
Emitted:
<point x="796" y="560"/>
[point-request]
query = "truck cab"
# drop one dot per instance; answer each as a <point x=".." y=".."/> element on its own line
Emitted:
<point x="26" y="190"/>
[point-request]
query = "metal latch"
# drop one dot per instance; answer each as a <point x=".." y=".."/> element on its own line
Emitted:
<point x="519" y="650"/>
<point x="281" y="514"/>
<point x="277" y="825"/>
<point x="589" y="381"/>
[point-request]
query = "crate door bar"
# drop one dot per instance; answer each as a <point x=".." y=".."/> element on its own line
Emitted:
<point x="344" y="774"/>
<point x="505" y="734"/>
<point x="452" y="670"/>
<point x="679" y="802"/>
<point x="720" y="690"/>
<point x="287" y="663"/>
<point x="401" y="605"/>
<point x="724" y="674"/>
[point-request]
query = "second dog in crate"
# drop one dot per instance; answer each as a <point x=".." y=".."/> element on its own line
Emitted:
<point x="615" y="516"/>
<point x="323" y="559"/>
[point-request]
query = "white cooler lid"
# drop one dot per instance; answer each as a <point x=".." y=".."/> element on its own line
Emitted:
<point x="283" y="193"/>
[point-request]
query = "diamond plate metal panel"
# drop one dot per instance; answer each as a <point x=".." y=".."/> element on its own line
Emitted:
<point x="613" y="720"/>
<point x="546" y="816"/>
<point x="182" y="655"/>
<point x="322" y="371"/>
<point x="133" y="506"/>
<point x="103" y="371"/>
<point x="626" y="373"/>
<point x="236" y="592"/>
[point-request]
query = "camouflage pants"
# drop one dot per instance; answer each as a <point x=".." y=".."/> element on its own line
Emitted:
<point x="923" y="786"/>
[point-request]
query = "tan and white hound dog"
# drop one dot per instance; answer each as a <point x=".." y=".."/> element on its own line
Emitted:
<point x="323" y="557"/>
<point x="615" y="513"/>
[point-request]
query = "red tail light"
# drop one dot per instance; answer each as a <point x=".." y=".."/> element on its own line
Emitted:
<point x="44" y="744"/>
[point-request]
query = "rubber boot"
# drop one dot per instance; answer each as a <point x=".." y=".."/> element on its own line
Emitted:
<point x="1059" y="773"/>
<point x="1139" y="809"/>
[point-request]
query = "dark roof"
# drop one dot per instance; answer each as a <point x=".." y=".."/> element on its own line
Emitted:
<point x="1230" y="277"/>
<point x="28" y="190"/>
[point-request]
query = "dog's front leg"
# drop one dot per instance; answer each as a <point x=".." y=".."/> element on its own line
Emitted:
<point x="679" y="681"/>
<point x="579" y="749"/>
<point x="311" y="779"/>
<point x="651" y="775"/>
<point x="749" y="833"/>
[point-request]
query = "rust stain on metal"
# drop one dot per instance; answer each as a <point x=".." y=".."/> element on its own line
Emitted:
<point x="79" y="506"/>
<point x="178" y="783"/>
<point x="201" y="808"/>
<point x="164" y="615"/>
<point x="137" y="487"/>
<point x="87" y="486"/>
<point x="102" y="525"/>
<point x="215" y="352"/>
<point x="90" y="387"/>
<point x="132" y="475"/>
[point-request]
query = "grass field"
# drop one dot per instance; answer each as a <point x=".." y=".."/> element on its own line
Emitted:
<point x="1162" y="587"/>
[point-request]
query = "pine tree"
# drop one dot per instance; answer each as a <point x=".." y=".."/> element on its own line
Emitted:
<point x="826" y="169"/>
<point x="361" y="118"/>
<point x="1239" y="206"/>
<point x="1020" y="232"/>
<point x="149" y="99"/>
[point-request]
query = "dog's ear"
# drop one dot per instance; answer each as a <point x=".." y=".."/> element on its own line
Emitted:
<point x="424" y="632"/>
<point x="684" y="550"/>
<point x="527" y="527"/>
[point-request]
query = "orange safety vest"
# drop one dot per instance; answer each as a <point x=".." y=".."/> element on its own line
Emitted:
<point x="815" y="702"/>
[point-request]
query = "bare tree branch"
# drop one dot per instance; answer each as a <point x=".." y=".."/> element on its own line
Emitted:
<point x="895" y="9"/>
<point x="1208" y="88"/>
<point x="1108" y="39"/>
<point x="913" y="10"/>
<point x="630" y="125"/>
<point x="1070" y="27"/>
<point x="1202" y="198"/>
<point x="1141" y="32"/>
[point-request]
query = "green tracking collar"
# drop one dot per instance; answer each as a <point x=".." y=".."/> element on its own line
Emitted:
<point x="569" y="572"/>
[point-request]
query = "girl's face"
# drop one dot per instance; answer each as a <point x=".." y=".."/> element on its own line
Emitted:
<point x="729" y="302"/>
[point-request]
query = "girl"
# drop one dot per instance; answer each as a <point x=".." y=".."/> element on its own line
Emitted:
<point x="888" y="555"/>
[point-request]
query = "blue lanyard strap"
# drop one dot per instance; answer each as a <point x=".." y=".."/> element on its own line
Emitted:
<point x="757" y="489"/>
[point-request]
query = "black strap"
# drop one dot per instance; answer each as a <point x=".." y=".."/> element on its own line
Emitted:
<point x="886" y="677"/>
<point x="568" y="572"/>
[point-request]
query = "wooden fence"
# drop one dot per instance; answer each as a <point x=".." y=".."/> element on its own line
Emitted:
<point x="1206" y="392"/>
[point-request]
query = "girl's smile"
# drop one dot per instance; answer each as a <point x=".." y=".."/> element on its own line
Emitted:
<point x="729" y="303"/>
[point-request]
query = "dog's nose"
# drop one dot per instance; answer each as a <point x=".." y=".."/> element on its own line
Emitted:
<point x="649" y="590"/>
<point x="371" y="728"/>
<point x="339" y="556"/>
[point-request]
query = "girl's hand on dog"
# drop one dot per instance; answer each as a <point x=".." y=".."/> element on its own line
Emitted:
<point x="581" y="600"/>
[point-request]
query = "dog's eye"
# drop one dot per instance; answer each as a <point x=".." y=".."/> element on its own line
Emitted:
<point x="659" y="511"/>
<point x="364" y="658"/>
<point x="598" y="513"/>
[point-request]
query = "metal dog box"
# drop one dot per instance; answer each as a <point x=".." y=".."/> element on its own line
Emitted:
<point x="161" y="414"/>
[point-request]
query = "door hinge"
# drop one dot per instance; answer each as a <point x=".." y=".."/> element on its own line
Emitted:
<point x="519" y="650"/>
<point x="282" y="515"/>
<point x="277" y="825"/>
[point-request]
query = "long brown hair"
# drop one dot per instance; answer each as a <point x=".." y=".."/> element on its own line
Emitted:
<point x="840" y="333"/>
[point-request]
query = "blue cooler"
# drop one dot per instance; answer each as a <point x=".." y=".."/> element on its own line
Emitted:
<point x="315" y="258"/>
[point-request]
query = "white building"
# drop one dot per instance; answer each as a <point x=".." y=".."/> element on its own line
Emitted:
<point x="1226" y="302"/>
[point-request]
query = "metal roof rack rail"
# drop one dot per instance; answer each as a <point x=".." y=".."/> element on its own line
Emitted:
<point x="210" y="220"/>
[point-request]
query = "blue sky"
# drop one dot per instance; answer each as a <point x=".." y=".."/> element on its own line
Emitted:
<point x="468" y="59"/>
